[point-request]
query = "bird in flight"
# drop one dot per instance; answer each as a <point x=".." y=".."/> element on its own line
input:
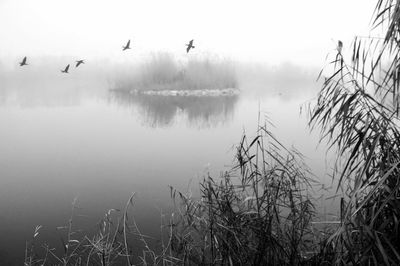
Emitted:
<point x="66" y="69"/>
<point x="189" y="46"/>
<point x="78" y="62"/>
<point x="126" y="46"/>
<point x="23" y="63"/>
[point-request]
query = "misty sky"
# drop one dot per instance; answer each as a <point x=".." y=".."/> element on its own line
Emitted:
<point x="272" y="31"/>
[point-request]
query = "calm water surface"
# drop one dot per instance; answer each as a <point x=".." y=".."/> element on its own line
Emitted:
<point x="61" y="140"/>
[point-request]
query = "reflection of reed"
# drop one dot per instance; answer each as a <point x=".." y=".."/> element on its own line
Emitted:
<point x="158" y="111"/>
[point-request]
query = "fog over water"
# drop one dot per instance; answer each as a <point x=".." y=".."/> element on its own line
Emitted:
<point x="66" y="137"/>
<point x="87" y="135"/>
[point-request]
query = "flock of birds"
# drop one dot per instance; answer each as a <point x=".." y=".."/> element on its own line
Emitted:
<point x="65" y="70"/>
<point x="79" y="62"/>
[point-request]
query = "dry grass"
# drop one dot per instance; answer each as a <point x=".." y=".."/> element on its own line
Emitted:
<point x="257" y="214"/>
<point x="164" y="72"/>
<point x="110" y="245"/>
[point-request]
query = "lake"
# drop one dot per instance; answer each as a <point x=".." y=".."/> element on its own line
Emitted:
<point x="67" y="137"/>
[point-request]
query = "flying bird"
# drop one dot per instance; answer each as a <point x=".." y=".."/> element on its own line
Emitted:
<point x="189" y="46"/>
<point x="78" y="62"/>
<point x="66" y="69"/>
<point x="23" y="63"/>
<point x="126" y="46"/>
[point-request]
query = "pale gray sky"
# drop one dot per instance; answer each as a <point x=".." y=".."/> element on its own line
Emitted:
<point x="272" y="31"/>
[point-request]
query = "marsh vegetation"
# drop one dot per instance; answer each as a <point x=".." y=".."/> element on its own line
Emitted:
<point x="256" y="214"/>
<point x="162" y="71"/>
<point x="262" y="211"/>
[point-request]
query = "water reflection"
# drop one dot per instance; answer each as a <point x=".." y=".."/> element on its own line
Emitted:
<point x="162" y="111"/>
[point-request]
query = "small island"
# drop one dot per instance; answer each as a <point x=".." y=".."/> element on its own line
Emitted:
<point x="164" y="75"/>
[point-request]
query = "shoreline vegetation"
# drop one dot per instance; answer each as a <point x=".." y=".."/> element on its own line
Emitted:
<point x="258" y="213"/>
<point x="262" y="212"/>
<point x="162" y="74"/>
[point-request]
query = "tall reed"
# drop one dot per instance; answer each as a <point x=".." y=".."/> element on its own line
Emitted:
<point x="357" y="111"/>
<point x="257" y="214"/>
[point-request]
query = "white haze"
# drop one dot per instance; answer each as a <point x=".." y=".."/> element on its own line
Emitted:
<point x="301" y="32"/>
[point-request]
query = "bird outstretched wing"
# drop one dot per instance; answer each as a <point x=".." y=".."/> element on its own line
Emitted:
<point x="126" y="46"/>
<point x="189" y="46"/>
